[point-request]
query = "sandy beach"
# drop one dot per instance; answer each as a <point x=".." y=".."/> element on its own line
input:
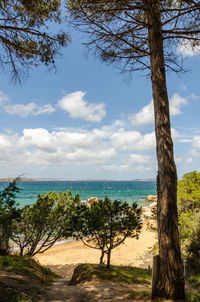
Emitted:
<point x="133" y="252"/>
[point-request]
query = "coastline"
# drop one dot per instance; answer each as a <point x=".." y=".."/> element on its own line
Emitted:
<point x="132" y="253"/>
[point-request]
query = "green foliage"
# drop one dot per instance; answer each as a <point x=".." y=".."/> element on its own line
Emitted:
<point x="188" y="225"/>
<point x="195" y="281"/>
<point x="192" y="297"/>
<point x="188" y="193"/>
<point x="194" y="250"/>
<point x="189" y="218"/>
<point x="127" y="274"/>
<point x="8" y="213"/>
<point x="105" y="225"/>
<point x="25" y="36"/>
<point x="15" y="263"/>
<point x="30" y="281"/>
<point x="42" y="224"/>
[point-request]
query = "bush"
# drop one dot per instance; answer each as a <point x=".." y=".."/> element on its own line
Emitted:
<point x="189" y="218"/>
<point x="105" y="225"/>
<point x="188" y="193"/>
<point x="8" y="213"/>
<point x="42" y="224"/>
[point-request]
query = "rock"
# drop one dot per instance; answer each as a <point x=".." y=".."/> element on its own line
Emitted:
<point x="92" y="200"/>
<point x="153" y="205"/>
<point x="147" y="214"/>
<point x="151" y="198"/>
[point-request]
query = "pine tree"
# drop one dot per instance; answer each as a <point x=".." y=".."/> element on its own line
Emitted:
<point x="25" y="38"/>
<point x="143" y="35"/>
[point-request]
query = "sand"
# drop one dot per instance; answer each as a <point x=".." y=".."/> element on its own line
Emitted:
<point x="133" y="252"/>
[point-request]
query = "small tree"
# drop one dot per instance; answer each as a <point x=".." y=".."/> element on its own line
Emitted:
<point x="105" y="225"/>
<point x="8" y="212"/>
<point x="189" y="218"/>
<point x="42" y="224"/>
<point x="25" y="38"/>
<point x="189" y="192"/>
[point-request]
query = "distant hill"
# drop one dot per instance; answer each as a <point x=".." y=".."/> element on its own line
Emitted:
<point x="9" y="179"/>
<point x="29" y="179"/>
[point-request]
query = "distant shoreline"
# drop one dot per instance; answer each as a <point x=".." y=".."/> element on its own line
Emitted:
<point x="78" y="180"/>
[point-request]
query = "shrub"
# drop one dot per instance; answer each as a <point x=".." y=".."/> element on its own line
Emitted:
<point x="105" y="225"/>
<point x="8" y="213"/>
<point x="42" y="224"/>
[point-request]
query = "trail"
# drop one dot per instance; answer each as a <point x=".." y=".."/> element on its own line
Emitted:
<point x="60" y="291"/>
<point x="93" y="291"/>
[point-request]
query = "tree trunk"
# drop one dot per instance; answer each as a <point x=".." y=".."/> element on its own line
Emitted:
<point x="108" y="258"/>
<point x="171" y="278"/>
<point x="102" y="256"/>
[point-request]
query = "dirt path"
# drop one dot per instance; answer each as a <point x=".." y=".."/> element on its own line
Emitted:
<point x="107" y="291"/>
<point x="92" y="291"/>
<point x="60" y="291"/>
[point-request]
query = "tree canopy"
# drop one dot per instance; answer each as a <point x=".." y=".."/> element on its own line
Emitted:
<point x="25" y="38"/>
<point x="104" y="225"/>
<point x="118" y="31"/>
<point x="189" y="218"/>
<point x="144" y="35"/>
<point x="9" y="212"/>
<point x="43" y="223"/>
<point x="189" y="192"/>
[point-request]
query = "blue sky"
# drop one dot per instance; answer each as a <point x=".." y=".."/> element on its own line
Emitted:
<point x="88" y="121"/>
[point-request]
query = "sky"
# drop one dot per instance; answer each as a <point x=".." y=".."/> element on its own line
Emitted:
<point x="88" y="121"/>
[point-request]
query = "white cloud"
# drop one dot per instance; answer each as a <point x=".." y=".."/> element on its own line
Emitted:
<point x="77" y="107"/>
<point x="176" y="102"/>
<point x="137" y="159"/>
<point x="109" y="148"/>
<point x="146" y="114"/>
<point x="188" y="49"/>
<point x="39" y="147"/>
<point x="133" y="140"/>
<point x="25" y="110"/>
<point x="148" y="142"/>
<point x="143" y="117"/>
<point x="189" y="160"/>
<point x="175" y="134"/>
<point x="196" y="142"/>
<point x="3" y="98"/>
<point x="185" y="140"/>
<point x="178" y="159"/>
<point x="125" y="140"/>
<point x="195" y="151"/>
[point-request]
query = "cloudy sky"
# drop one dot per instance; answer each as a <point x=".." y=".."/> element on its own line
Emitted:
<point x="89" y="121"/>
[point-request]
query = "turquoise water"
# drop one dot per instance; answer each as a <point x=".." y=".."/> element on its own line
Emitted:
<point x="122" y="190"/>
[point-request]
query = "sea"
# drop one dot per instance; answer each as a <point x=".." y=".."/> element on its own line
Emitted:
<point x="129" y="191"/>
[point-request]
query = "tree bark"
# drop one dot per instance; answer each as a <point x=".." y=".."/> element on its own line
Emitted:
<point x="171" y="278"/>
<point x="108" y="258"/>
<point x="102" y="256"/>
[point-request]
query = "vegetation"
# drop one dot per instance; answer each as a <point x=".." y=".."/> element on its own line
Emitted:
<point x="191" y="297"/>
<point x="189" y="218"/>
<point x="42" y="224"/>
<point x="195" y="281"/>
<point x="189" y="192"/>
<point x="104" y="225"/>
<point x="140" y="35"/>
<point x="25" y="37"/>
<point x="34" y="229"/>
<point x="22" y="279"/>
<point x="128" y="274"/>
<point x="8" y="213"/>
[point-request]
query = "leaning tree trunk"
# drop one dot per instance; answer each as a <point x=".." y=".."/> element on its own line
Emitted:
<point x="171" y="278"/>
